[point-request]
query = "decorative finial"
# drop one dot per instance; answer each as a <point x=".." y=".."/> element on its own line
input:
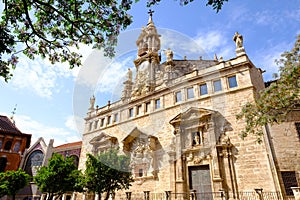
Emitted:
<point x="13" y="114"/>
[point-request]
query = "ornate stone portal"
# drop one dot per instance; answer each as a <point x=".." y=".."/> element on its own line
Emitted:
<point x="142" y="150"/>
<point x="197" y="132"/>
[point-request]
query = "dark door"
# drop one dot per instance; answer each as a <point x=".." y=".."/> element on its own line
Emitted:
<point x="199" y="177"/>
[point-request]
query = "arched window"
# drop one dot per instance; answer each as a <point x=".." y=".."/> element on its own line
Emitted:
<point x="7" y="145"/>
<point x="3" y="162"/>
<point x="76" y="160"/>
<point x="34" y="161"/>
<point x="17" y="146"/>
<point x="1" y="143"/>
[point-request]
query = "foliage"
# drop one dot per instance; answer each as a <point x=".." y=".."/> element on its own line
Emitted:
<point x="54" y="29"/>
<point x="276" y="101"/>
<point x="216" y="4"/>
<point x="59" y="176"/>
<point x="107" y="172"/>
<point x="12" y="181"/>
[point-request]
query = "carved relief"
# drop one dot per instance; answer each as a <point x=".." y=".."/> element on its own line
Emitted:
<point x="141" y="149"/>
<point x="103" y="142"/>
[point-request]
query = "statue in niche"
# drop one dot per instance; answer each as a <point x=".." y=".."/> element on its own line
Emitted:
<point x="139" y="151"/>
<point x="238" y="39"/>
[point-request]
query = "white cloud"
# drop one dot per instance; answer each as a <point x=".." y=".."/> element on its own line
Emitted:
<point x="216" y="42"/>
<point x="75" y="123"/>
<point x="265" y="58"/>
<point x="41" y="77"/>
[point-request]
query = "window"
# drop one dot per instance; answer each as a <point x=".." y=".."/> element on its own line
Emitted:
<point x="17" y="146"/>
<point x="139" y="110"/>
<point x="34" y="161"/>
<point x="1" y="143"/>
<point x="232" y="81"/>
<point x="7" y="145"/>
<point x="203" y="89"/>
<point x="131" y="112"/>
<point x="190" y="93"/>
<point x="90" y="126"/>
<point x="297" y="124"/>
<point x="178" y="96"/>
<point x="102" y="122"/>
<point x="157" y="103"/>
<point x="140" y="172"/>
<point x="109" y="120"/>
<point x="116" y="117"/>
<point x="148" y="104"/>
<point x="217" y="85"/>
<point x="96" y="124"/>
<point x="289" y="180"/>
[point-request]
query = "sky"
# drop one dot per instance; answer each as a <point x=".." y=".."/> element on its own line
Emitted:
<point x="51" y="101"/>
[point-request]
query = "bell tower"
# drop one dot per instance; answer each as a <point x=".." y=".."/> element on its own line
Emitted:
<point x="147" y="60"/>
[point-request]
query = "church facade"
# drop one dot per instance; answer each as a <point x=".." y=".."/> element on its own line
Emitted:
<point x="177" y="122"/>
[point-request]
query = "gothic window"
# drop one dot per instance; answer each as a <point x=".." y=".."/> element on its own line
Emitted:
<point x="297" y="125"/>
<point x="7" y="145"/>
<point x="3" y="162"/>
<point x="157" y="103"/>
<point x="1" y="143"/>
<point x="232" y="81"/>
<point x="178" y="96"/>
<point x="76" y="160"/>
<point x="34" y="161"/>
<point x="190" y="93"/>
<point x="217" y="85"/>
<point x="17" y="146"/>
<point x="203" y="89"/>
<point x="289" y="180"/>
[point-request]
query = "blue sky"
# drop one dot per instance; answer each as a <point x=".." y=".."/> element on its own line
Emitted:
<point x="53" y="100"/>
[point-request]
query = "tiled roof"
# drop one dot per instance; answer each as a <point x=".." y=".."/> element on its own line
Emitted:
<point x="73" y="144"/>
<point x="6" y="125"/>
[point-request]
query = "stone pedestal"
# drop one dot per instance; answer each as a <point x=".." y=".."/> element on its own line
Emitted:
<point x="296" y="192"/>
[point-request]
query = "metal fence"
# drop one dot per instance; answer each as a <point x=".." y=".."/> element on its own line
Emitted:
<point x="168" y="195"/>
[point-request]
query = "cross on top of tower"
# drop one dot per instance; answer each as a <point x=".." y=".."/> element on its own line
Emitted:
<point x="150" y="12"/>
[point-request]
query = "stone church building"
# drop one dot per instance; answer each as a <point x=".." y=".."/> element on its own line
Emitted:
<point x="177" y="121"/>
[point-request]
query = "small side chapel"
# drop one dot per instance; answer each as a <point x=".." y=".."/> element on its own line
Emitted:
<point x="177" y="121"/>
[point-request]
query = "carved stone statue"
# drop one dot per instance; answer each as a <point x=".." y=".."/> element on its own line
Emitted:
<point x="169" y="55"/>
<point x="238" y="39"/>
<point x="92" y="102"/>
<point x="129" y="75"/>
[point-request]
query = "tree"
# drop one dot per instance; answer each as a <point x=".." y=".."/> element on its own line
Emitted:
<point x="52" y="29"/>
<point x="275" y="102"/>
<point x="60" y="176"/>
<point x="107" y="173"/>
<point x="12" y="181"/>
